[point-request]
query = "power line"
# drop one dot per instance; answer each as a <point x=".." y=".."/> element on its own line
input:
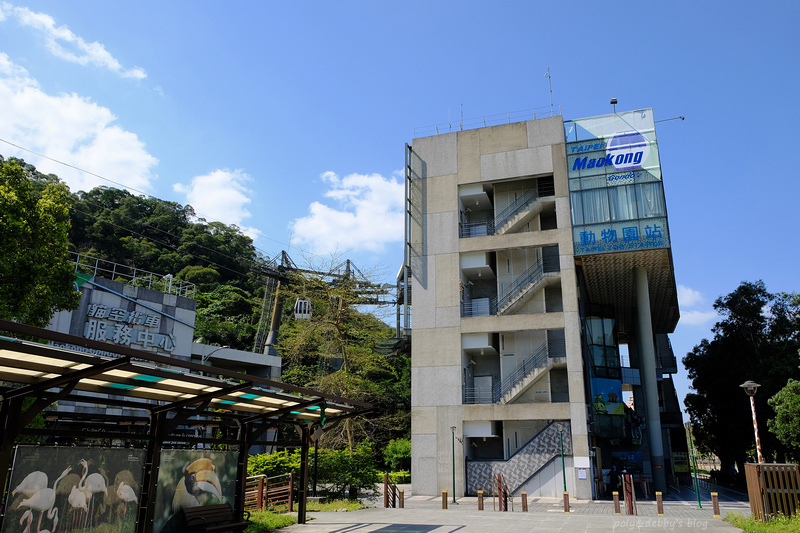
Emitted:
<point x="199" y="215"/>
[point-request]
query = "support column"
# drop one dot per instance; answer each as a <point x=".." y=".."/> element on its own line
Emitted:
<point x="647" y="358"/>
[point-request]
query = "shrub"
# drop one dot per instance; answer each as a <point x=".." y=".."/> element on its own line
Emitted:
<point x="398" y="454"/>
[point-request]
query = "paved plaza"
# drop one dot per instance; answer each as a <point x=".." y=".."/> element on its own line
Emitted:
<point x="423" y="514"/>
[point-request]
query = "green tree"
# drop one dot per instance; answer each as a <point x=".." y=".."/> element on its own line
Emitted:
<point x="227" y="316"/>
<point x="336" y="352"/>
<point x="756" y="339"/>
<point x="786" y="424"/>
<point x="35" y="278"/>
<point x="398" y="454"/>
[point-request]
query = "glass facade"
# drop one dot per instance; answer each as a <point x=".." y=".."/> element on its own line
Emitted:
<point x="616" y="193"/>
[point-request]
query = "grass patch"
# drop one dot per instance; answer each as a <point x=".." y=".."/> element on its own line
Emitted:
<point x="265" y="521"/>
<point x="776" y="525"/>
<point x="336" y="505"/>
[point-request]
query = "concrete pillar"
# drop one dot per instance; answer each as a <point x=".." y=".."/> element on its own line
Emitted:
<point x="647" y="357"/>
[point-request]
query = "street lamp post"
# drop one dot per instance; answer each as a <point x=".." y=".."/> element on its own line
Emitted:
<point x="750" y="388"/>
<point x="453" y="431"/>
<point x="694" y="467"/>
<point x="563" y="468"/>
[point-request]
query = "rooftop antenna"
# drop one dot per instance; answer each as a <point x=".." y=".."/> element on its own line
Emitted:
<point x="614" y="103"/>
<point x="550" y="81"/>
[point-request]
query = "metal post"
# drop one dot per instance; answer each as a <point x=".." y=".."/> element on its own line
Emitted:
<point x="566" y="501"/>
<point x="453" y="431"/>
<point x="480" y="500"/>
<point x="402" y="499"/>
<point x="694" y="465"/>
<point x="524" y="496"/>
<point x="615" y="494"/>
<point x="385" y="490"/>
<point x="659" y="504"/>
<point x="755" y="428"/>
<point x="715" y="504"/>
<point x="563" y="469"/>
<point x="444" y="499"/>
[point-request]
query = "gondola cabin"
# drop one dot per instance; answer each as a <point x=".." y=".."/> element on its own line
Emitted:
<point x="302" y="309"/>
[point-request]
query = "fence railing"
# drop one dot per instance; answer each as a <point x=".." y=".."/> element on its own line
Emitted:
<point x="93" y="266"/>
<point x="773" y="489"/>
<point x="264" y="493"/>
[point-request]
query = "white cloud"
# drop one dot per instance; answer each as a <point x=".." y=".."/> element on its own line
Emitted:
<point x="220" y="195"/>
<point x="367" y="215"/>
<point x="68" y="128"/>
<point x="689" y="297"/>
<point x="64" y="44"/>
<point x="697" y="318"/>
<point x="689" y="301"/>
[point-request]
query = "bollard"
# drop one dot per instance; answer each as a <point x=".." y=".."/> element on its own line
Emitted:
<point x="444" y="499"/>
<point x="480" y="500"/>
<point x="566" y="501"/>
<point x="524" y="501"/>
<point x="715" y="504"/>
<point x="402" y="496"/>
<point x="385" y="490"/>
<point x="616" y="502"/>
<point x="659" y="504"/>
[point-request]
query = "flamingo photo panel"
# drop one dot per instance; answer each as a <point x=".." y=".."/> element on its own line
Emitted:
<point x="74" y="489"/>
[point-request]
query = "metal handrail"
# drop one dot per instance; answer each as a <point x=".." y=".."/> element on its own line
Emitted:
<point x="534" y="360"/>
<point x="469" y="309"/>
<point x="467" y="229"/>
<point x="94" y="266"/>
<point x="534" y="274"/>
<point x="516" y="206"/>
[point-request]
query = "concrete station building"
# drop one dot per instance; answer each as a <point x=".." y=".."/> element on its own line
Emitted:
<point x="535" y="251"/>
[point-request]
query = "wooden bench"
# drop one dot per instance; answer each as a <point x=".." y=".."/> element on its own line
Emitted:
<point x="212" y="518"/>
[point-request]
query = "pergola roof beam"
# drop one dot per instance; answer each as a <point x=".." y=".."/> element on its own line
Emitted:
<point x="75" y="376"/>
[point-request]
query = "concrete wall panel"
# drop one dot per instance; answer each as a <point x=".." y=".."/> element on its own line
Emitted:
<point x="436" y="348"/>
<point x="441" y="231"/>
<point x="469" y="157"/>
<point x="439" y="154"/>
<point x="442" y="194"/>
<point x="517" y="163"/>
<point x="503" y="138"/>
<point x="436" y="386"/>
<point x="545" y="132"/>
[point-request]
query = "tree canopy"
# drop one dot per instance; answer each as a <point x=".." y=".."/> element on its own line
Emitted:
<point x="786" y="424"/>
<point x="337" y="351"/>
<point x="36" y="279"/>
<point x="757" y="339"/>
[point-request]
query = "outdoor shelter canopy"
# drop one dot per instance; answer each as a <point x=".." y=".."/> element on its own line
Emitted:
<point x="166" y="400"/>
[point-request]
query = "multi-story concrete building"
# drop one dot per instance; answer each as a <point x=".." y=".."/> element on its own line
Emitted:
<point x="534" y="250"/>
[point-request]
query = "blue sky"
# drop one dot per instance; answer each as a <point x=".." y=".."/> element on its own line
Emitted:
<point x="289" y="119"/>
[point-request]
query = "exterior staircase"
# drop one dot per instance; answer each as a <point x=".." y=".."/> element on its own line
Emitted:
<point x="526" y="374"/>
<point x="530" y="378"/>
<point x="529" y="283"/>
<point x="524" y="464"/>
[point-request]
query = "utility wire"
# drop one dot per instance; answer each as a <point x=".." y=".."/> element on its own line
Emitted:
<point x="200" y="215"/>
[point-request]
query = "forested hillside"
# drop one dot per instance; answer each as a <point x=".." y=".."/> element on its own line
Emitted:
<point x="335" y="351"/>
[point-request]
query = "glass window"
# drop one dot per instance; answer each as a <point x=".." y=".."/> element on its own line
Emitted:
<point x="577" y="208"/>
<point x="622" y="202"/>
<point x="650" y="199"/>
<point x="595" y="206"/>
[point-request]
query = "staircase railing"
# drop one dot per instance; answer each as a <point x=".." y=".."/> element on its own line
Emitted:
<point x="516" y="206"/>
<point x="523" y="464"/>
<point x="534" y="360"/>
<point x="539" y="358"/>
<point x="534" y="274"/>
<point x="492" y="226"/>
